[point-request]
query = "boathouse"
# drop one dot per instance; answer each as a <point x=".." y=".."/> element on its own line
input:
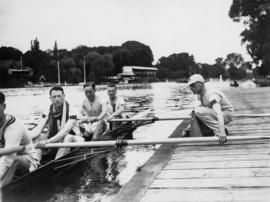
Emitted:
<point x="139" y="74"/>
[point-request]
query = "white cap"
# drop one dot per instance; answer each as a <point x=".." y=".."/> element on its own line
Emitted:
<point x="195" y="78"/>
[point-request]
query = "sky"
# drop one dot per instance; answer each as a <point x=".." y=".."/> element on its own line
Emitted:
<point x="199" y="27"/>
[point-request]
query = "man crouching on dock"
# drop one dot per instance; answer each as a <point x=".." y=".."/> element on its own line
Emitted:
<point x="215" y="109"/>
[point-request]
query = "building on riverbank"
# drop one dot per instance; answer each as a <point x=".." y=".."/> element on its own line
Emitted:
<point x="13" y="73"/>
<point x="138" y="74"/>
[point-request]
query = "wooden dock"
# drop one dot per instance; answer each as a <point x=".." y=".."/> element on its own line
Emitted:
<point x="232" y="172"/>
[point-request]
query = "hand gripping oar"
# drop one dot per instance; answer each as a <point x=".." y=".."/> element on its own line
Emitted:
<point x="183" y="117"/>
<point x="180" y="141"/>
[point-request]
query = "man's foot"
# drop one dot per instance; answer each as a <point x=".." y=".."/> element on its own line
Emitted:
<point x="226" y="131"/>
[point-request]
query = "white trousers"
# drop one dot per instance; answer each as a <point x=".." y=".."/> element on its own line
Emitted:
<point x="209" y="117"/>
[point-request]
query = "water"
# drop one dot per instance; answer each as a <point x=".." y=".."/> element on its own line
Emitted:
<point x="101" y="178"/>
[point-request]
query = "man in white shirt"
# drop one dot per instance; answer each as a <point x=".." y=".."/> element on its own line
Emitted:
<point x="215" y="109"/>
<point x="115" y="105"/>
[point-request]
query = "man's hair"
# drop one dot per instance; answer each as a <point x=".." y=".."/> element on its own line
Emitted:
<point x="2" y="98"/>
<point x="111" y="85"/>
<point x="56" y="88"/>
<point x="90" y="84"/>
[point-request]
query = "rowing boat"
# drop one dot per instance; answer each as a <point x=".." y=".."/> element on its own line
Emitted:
<point x="53" y="168"/>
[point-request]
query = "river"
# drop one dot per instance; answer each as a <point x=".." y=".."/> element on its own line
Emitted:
<point x="100" y="181"/>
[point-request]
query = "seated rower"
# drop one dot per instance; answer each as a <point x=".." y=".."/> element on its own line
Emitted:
<point x="92" y="113"/>
<point x="13" y="133"/>
<point x="214" y="112"/>
<point x="58" y="123"/>
<point x="115" y="105"/>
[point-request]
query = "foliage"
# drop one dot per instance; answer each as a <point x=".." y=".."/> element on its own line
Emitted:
<point x="35" y="45"/>
<point x="236" y="66"/>
<point x="4" y="78"/>
<point x="255" y="14"/>
<point x="179" y="65"/>
<point x="121" y="57"/>
<point x="141" y="55"/>
<point x="37" y="60"/>
<point x="7" y="53"/>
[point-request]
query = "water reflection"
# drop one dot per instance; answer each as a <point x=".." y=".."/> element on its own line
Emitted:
<point x="101" y="178"/>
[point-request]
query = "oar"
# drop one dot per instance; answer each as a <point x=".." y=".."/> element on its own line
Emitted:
<point x="153" y="141"/>
<point x="185" y="117"/>
<point x="252" y="115"/>
<point x="10" y="150"/>
<point x="152" y="119"/>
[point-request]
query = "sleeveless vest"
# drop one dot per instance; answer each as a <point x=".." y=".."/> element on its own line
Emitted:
<point x="9" y="120"/>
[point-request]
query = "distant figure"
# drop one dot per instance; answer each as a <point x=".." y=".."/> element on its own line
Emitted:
<point x="235" y="83"/>
<point x="92" y="113"/>
<point x="215" y="109"/>
<point x="13" y="133"/>
<point x="58" y="123"/>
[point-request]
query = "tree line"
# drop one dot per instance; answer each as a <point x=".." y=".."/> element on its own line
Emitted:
<point x="99" y="62"/>
<point x="102" y="62"/>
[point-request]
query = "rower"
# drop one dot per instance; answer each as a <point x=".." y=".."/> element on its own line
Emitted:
<point x="13" y="133"/>
<point x="215" y="109"/>
<point x="92" y="113"/>
<point x="58" y="122"/>
<point x="115" y="105"/>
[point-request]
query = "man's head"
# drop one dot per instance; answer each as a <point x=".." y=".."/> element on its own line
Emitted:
<point x="2" y="104"/>
<point x="90" y="90"/>
<point x="196" y="83"/>
<point x="57" y="96"/>
<point x="111" y="90"/>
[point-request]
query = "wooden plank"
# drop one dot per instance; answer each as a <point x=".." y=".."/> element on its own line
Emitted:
<point x="181" y="158"/>
<point x="237" y="145"/>
<point x="192" y="151"/>
<point x="218" y="154"/>
<point x="221" y="183"/>
<point x="217" y="164"/>
<point x="249" y="133"/>
<point x="207" y="195"/>
<point x="215" y="173"/>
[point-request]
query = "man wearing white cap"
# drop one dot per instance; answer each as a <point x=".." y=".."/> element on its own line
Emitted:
<point x="215" y="109"/>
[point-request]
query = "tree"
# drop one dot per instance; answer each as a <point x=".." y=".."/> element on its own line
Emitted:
<point x="236" y="66"/>
<point x="141" y="55"/>
<point x="55" y="50"/>
<point x="4" y="78"/>
<point x="121" y="57"/>
<point x="181" y="65"/>
<point x="219" y="69"/>
<point x="66" y="64"/>
<point x="35" y="45"/>
<point x="255" y="14"/>
<point x="9" y="53"/>
<point x="234" y="60"/>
